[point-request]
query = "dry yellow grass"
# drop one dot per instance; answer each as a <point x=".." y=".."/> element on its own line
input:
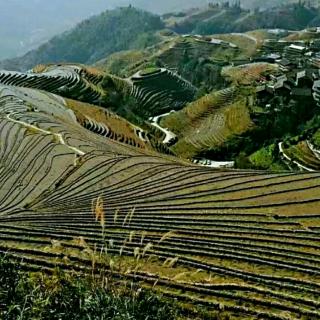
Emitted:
<point x="39" y="68"/>
<point x="98" y="211"/>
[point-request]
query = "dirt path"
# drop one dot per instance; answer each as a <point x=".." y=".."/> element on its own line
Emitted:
<point x="58" y="135"/>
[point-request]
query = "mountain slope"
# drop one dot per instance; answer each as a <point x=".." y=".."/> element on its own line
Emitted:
<point x="107" y="33"/>
<point x="95" y="38"/>
<point x="20" y="32"/>
<point x="233" y="18"/>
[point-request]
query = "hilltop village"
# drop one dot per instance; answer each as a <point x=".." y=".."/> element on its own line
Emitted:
<point x="299" y="62"/>
<point x="284" y="72"/>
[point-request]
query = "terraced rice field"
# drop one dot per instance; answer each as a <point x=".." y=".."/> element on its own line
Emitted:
<point x="306" y="156"/>
<point x="157" y="92"/>
<point x="194" y="47"/>
<point x="71" y="81"/>
<point x="246" y="43"/>
<point x="161" y="91"/>
<point x="249" y="74"/>
<point x="241" y="241"/>
<point x="107" y="124"/>
<point x="173" y="52"/>
<point x="209" y="122"/>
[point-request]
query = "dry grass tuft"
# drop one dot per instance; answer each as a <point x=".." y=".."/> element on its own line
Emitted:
<point x="116" y="215"/>
<point x="147" y="248"/>
<point x="170" y="262"/>
<point x="128" y="217"/>
<point x="143" y="235"/>
<point x="166" y="236"/>
<point x="98" y="211"/>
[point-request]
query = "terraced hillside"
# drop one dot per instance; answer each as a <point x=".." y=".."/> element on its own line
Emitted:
<point x="161" y="90"/>
<point x="107" y="124"/>
<point x="196" y="58"/>
<point x="157" y="91"/>
<point x="249" y="74"/>
<point x="182" y="48"/>
<point x="303" y="155"/>
<point x="209" y="122"/>
<point x="241" y="241"/>
<point x="72" y="81"/>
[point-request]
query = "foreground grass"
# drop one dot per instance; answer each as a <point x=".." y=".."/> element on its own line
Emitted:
<point x="69" y="296"/>
<point x="28" y="295"/>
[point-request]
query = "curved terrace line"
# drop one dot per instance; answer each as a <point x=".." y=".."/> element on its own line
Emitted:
<point x="291" y="160"/>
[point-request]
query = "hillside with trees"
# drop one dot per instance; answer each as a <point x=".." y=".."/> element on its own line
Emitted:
<point x="233" y="17"/>
<point x="116" y="30"/>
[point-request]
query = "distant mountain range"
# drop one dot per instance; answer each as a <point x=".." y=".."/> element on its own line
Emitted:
<point x="106" y="33"/>
<point x="95" y="38"/>
<point x="20" y="31"/>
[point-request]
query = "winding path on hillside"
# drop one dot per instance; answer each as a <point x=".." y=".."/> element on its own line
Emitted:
<point x="215" y="16"/>
<point x="245" y="36"/>
<point x="314" y="150"/>
<point x="169" y="136"/>
<point x="58" y="135"/>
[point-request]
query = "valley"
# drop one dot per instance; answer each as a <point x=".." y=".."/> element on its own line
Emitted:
<point x="188" y="165"/>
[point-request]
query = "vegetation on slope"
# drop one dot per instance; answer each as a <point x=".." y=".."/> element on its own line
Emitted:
<point x="119" y="61"/>
<point x="230" y="17"/>
<point x="316" y="139"/>
<point x="264" y="159"/>
<point x="27" y="295"/>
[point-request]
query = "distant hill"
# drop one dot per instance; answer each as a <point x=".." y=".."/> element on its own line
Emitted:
<point x="94" y="39"/>
<point x="226" y="18"/>
<point x="27" y="33"/>
<point x="99" y="36"/>
<point x="20" y="32"/>
<point x="178" y="5"/>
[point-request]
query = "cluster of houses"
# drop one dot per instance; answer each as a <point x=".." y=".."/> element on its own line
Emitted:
<point x="210" y="40"/>
<point x="299" y="66"/>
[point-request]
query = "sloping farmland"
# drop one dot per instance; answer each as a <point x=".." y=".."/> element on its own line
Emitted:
<point x="241" y="241"/>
